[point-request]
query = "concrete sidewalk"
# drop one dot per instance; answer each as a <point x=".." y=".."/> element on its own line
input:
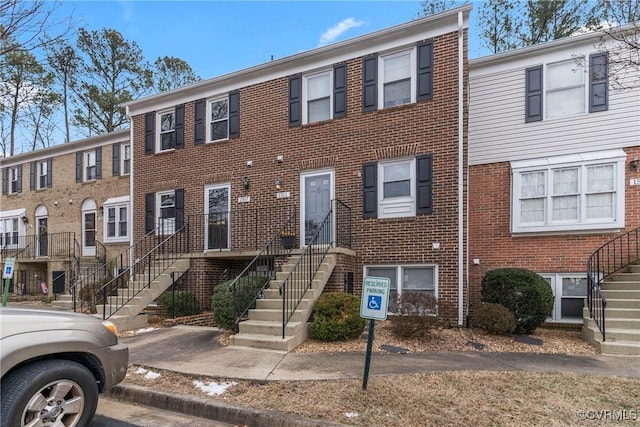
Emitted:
<point x="196" y="351"/>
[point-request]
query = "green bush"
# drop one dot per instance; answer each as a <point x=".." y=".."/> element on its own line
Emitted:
<point x="222" y="302"/>
<point x="179" y="303"/>
<point x="415" y="315"/>
<point x="495" y="318"/>
<point x="525" y="293"/>
<point x="336" y="317"/>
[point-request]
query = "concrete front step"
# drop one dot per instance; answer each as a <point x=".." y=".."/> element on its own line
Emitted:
<point x="276" y="304"/>
<point x="626" y="285"/>
<point x="622" y="313"/>
<point x="623" y="303"/>
<point x="625" y="277"/>
<point x="617" y="334"/>
<point x="273" y="328"/>
<point x="276" y="315"/>
<point x="628" y="348"/>
<point x="263" y="341"/>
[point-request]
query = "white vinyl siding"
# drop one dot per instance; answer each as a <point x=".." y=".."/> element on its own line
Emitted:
<point x="497" y="128"/>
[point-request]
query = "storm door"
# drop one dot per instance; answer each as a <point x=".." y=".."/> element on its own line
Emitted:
<point x="317" y="193"/>
<point x="217" y="202"/>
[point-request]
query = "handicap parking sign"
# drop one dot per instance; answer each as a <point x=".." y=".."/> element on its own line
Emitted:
<point x="375" y="298"/>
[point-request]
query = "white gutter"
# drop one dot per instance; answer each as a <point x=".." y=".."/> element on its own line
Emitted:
<point x="460" y="170"/>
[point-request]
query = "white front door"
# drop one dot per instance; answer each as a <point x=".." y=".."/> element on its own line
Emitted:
<point x="217" y="201"/>
<point x="317" y="193"/>
<point x="89" y="233"/>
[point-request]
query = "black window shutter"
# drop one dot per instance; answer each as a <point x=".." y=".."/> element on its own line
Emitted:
<point x="116" y="159"/>
<point x="234" y="114"/>
<point x="598" y="82"/>
<point x="49" y="172"/>
<point x="370" y="83"/>
<point x="149" y="212"/>
<point x="179" y="208"/>
<point x="339" y="90"/>
<point x="424" y="184"/>
<point x="149" y="132"/>
<point x="99" y="163"/>
<point x="199" y="107"/>
<point x="369" y="190"/>
<point x="5" y="174"/>
<point x="533" y="95"/>
<point x="19" y="184"/>
<point x="425" y="71"/>
<point x="295" y="100"/>
<point x="179" y="126"/>
<point x="32" y="175"/>
<point x="79" y="167"/>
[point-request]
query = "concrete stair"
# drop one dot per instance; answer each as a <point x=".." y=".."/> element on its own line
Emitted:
<point x="622" y="315"/>
<point x="263" y="329"/>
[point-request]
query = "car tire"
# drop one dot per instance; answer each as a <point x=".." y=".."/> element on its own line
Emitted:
<point x="27" y="394"/>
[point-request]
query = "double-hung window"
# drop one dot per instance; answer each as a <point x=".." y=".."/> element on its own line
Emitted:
<point x="317" y="89"/>
<point x="166" y="203"/>
<point x="167" y="130"/>
<point x="406" y="278"/>
<point x="126" y="159"/>
<point x="90" y="166"/>
<point x="565" y="89"/>
<point x="116" y="219"/>
<point x="218" y="119"/>
<point x="9" y="230"/>
<point x="42" y="175"/>
<point x="15" y="180"/>
<point x="569" y="193"/>
<point x="398" y="72"/>
<point x="569" y="291"/>
<point x="397" y="188"/>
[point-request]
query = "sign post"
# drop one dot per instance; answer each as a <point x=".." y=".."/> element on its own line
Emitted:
<point x="373" y="306"/>
<point x="7" y="274"/>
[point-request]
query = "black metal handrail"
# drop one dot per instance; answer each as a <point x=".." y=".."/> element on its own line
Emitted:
<point x="609" y="258"/>
<point x="261" y="270"/>
<point x="237" y="230"/>
<point x="300" y="279"/>
<point x="52" y="245"/>
<point x="135" y="268"/>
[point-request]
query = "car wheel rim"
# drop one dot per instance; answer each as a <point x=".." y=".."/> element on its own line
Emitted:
<point x="59" y="403"/>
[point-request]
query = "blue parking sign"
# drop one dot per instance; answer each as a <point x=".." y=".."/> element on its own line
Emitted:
<point x="375" y="298"/>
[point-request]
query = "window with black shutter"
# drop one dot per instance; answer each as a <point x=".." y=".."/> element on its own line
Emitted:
<point x="295" y="100"/>
<point x="234" y="114"/>
<point x="425" y="71"/>
<point x="370" y="83"/>
<point x="199" y="111"/>
<point x="340" y="90"/>
<point x="533" y="95"/>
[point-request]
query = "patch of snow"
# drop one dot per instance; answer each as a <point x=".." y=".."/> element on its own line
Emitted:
<point x="141" y="371"/>
<point x="143" y="330"/>
<point x="151" y="375"/>
<point x="213" y="388"/>
<point x="351" y="414"/>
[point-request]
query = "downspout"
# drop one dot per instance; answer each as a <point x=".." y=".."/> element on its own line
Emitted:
<point x="131" y="172"/>
<point x="460" y="170"/>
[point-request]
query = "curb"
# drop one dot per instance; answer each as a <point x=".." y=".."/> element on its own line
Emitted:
<point x="210" y="409"/>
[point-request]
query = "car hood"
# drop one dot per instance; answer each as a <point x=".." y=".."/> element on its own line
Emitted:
<point x="24" y="320"/>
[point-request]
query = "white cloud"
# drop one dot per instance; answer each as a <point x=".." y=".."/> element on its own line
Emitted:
<point x="337" y="30"/>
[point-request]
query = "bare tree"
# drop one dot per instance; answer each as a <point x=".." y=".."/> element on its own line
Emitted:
<point x="64" y="63"/>
<point x="24" y="24"/>
<point x="498" y="31"/>
<point x="171" y="73"/>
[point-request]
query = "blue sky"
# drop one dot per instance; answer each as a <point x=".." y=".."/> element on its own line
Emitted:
<point x="219" y="37"/>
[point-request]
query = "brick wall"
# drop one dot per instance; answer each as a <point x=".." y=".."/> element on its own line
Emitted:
<point x="343" y="145"/>
<point x="490" y="232"/>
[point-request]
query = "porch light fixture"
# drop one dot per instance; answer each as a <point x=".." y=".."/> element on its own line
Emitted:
<point x="245" y="182"/>
<point x="70" y="201"/>
<point x="25" y="219"/>
<point x="101" y="210"/>
<point x="278" y="184"/>
<point x="634" y="164"/>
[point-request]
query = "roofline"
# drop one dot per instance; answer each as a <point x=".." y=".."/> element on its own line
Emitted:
<point x="193" y="91"/>
<point x="67" y="147"/>
<point x="498" y="58"/>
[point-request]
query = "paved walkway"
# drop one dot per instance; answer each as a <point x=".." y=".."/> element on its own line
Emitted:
<point x="195" y="350"/>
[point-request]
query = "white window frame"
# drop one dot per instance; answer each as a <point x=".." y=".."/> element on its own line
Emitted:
<point x="615" y="158"/>
<point x="13" y="180"/>
<point x="412" y="76"/>
<point x="88" y="164"/>
<point x="160" y="132"/>
<point x="165" y="226"/>
<point x="42" y="175"/>
<point x="555" y="281"/>
<point x="116" y="203"/>
<point x="12" y="217"/>
<point x="306" y="98"/>
<point x="397" y="207"/>
<point x="210" y="121"/>
<point x="125" y="159"/>
<point x="583" y="85"/>
<point x="400" y="274"/>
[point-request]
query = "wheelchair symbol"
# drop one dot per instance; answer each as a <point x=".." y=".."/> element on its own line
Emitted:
<point x="375" y="302"/>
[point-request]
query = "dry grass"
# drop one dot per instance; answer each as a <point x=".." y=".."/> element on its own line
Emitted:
<point x="440" y="398"/>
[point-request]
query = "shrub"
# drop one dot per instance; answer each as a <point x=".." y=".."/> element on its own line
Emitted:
<point x="180" y="303"/>
<point x="525" y="293"/>
<point x="222" y="302"/>
<point x="336" y="317"/>
<point x="495" y="318"/>
<point x="415" y="315"/>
